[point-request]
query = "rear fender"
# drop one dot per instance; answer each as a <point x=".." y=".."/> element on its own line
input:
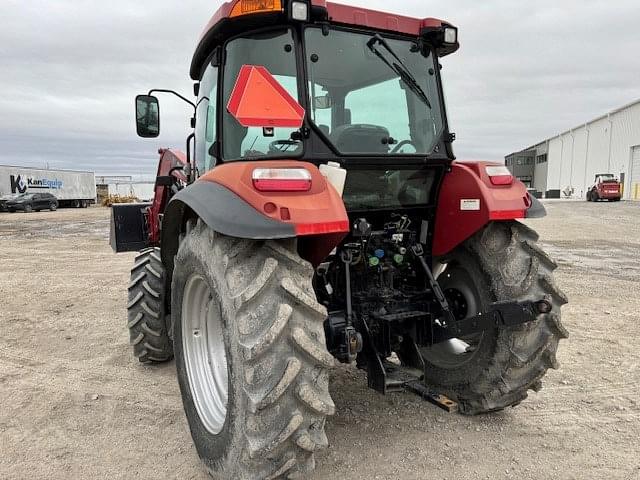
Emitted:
<point x="468" y="201"/>
<point x="227" y="202"/>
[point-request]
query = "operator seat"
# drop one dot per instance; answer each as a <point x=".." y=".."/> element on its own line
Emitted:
<point x="360" y="138"/>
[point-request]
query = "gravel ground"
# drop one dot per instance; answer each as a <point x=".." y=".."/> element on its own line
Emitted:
<point x="76" y="405"/>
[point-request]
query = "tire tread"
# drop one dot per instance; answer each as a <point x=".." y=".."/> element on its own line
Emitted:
<point x="146" y="318"/>
<point x="280" y="333"/>
<point x="517" y="269"/>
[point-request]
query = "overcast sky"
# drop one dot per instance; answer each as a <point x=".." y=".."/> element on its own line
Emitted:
<point x="70" y="69"/>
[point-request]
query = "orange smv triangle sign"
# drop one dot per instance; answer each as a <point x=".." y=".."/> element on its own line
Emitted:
<point x="258" y="100"/>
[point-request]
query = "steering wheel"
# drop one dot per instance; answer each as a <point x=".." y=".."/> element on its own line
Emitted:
<point x="278" y="146"/>
<point x="397" y="148"/>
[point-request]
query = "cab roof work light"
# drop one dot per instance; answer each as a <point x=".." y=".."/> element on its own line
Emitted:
<point x="299" y="11"/>
<point x="450" y="35"/>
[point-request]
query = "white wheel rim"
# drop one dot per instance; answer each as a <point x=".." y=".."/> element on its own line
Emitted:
<point x="205" y="357"/>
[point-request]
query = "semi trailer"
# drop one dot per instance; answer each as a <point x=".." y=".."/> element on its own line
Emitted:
<point x="70" y="188"/>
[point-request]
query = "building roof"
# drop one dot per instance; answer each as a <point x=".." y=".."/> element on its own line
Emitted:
<point x="601" y="117"/>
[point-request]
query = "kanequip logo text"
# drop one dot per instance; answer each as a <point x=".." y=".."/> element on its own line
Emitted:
<point x="19" y="185"/>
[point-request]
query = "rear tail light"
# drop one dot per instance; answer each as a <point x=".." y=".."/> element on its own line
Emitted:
<point x="499" y="175"/>
<point x="282" y="179"/>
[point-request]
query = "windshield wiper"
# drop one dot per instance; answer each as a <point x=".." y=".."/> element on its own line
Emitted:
<point x="399" y="68"/>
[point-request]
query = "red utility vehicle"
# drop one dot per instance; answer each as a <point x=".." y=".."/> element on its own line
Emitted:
<point x="606" y="187"/>
<point x="319" y="216"/>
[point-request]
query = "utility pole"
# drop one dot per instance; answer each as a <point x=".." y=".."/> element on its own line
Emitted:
<point x="610" y="140"/>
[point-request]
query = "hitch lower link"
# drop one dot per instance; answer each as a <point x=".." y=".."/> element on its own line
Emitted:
<point x="500" y="314"/>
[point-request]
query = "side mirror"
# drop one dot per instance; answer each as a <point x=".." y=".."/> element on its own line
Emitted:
<point x="147" y="116"/>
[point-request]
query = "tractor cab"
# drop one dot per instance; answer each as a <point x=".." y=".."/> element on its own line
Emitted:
<point x="321" y="82"/>
<point x="362" y="92"/>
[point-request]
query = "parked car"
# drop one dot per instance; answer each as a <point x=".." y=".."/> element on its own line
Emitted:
<point x="28" y="202"/>
<point x="4" y="199"/>
<point x="606" y="187"/>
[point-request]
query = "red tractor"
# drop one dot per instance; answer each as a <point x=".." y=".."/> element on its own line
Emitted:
<point x="317" y="217"/>
<point x="605" y="187"/>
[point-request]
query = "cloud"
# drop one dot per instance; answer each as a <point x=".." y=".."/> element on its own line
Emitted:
<point x="71" y="69"/>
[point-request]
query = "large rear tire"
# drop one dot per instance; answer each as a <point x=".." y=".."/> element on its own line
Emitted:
<point x="146" y="309"/>
<point x="497" y="368"/>
<point x="251" y="355"/>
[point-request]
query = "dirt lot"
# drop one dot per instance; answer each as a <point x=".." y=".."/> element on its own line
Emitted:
<point x="74" y="404"/>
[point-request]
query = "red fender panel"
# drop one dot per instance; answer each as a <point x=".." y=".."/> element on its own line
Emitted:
<point x="468" y="201"/>
<point x="318" y="216"/>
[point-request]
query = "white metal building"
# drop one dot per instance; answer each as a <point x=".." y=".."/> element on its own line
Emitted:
<point x="566" y="165"/>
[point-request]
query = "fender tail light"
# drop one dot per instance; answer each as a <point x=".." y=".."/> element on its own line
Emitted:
<point x="499" y="175"/>
<point x="281" y="179"/>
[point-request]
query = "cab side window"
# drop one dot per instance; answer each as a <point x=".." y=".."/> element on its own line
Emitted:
<point x="206" y="121"/>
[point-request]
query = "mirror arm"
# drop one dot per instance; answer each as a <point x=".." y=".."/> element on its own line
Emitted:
<point x="156" y="90"/>
<point x="190" y="171"/>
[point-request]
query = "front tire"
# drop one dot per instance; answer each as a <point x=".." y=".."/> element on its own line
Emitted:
<point x="497" y="368"/>
<point x="148" y="333"/>
<point x="258" y="410"/>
